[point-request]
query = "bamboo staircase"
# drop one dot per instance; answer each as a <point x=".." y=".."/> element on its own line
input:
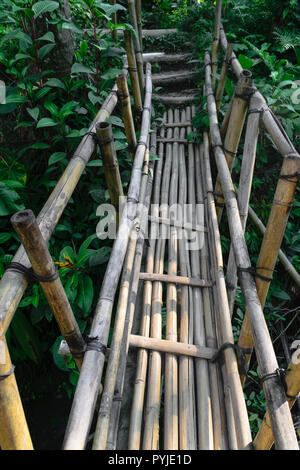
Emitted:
<point x="172" y="360"/>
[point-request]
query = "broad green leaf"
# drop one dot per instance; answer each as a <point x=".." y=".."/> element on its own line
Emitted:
<point x="55" y="82"/>
<point x="5" y="236"/>
<point x="43" y="51"/>
<point x="67" y="252"/>
<point x="7" y="200"/>
<point x="46" y="122"/>
<point x="85" y="295"/>
<point x="101" y="256"/>
<point x="48" y="37"/>
<point x="59" y="359"/>
<point x="72" y="27"/>
<point x="26" y="337"/>
<point x="56" y="157"/>
<point x="34" y="112"/>
<point x="245" y="62"/>
<point x="42" y="92"/>
<point x="14" y="98"/>
<point x="79" y="68"/>
<point x="44" y="6"/>
<point x="116" y="121"/>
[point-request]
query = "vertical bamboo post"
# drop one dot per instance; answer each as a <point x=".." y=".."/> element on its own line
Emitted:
<point x="215" y="44"/>
<point x="14" y="433"/>
<point x="242" y="95"/>
<point x="110" y="164"/>
<point x="25" y="224"/>
<point x="223" y="75"/>
<point x="282" y="424"/>
<point x="127" y="114"/>
<point x="137" y="45"/>
<point x="244" y="191"/>
<point x="114" y="18"/>
<point x="138" y="8"/>
<point x="132" y="68"/>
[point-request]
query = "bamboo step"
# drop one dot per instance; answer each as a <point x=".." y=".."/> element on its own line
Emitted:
<point x="152" y="33"/>
<point x="173" y="77"/>
<point x="161" y="57"/>
<point x="173" y="99"/>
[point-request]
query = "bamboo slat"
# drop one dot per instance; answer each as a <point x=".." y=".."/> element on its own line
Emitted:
<point x="137" y="44"/>
<point x="127" y="114"/>
<point x="132" y="69"/>
<point x="138" y="9"/>
<point x="215" y="43"/>
<point x="282" y="425"/>
<point x="171" y="278"/>
<point x="91" y="373"/>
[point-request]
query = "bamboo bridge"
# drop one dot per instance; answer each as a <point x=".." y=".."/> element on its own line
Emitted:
<point x="172" y="366"/>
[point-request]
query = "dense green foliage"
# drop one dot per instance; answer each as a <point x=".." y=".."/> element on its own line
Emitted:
<point x="47" y="112"/>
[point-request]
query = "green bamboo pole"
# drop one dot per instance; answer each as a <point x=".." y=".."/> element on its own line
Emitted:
<point x="282" y="424"/>
<point x="215" y="44"/>
<point x="137" y="45"/>
<point x="127" y="114"/>
<point x="138" y="8"/>
<point x="25" y="224"/>
<point x="90" y="378"/>
<point x="132" y="69"/>
<point x="14" y="433"/>
<point x="114" y="21"/>
<point x="223" y="76"/>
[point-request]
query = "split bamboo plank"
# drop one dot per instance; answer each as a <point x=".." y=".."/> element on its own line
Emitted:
<point x="244" y="191"/>
<point x="12" y="284"/>
<point x="132" y="69"/>
<point x="172" y="347"/>
<point x="14" y="433"/>
<point x="25" y="224"/>
<point x="171" y="278"/>
<point x="282" y="425"/>
<point x="135" y="429"/>
<point x="91" y="373"/>
<point x="127" y="114"/>
<point x="239" y="107"/>
<point x="178" y="224"/>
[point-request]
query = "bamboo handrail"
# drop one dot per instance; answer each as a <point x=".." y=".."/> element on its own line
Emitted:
<point x="90" y="377"/>
<point x="223" y="76"/>
<point x="127" y="114"/>
<point x="215" y="43"/>
<point x="132" y="69"/>
<point x="25" y="224"/>
<point x="13" y="284"/>
<point x="282" y="425"/>
<point x="114" y="21"/>
<point x="137" y="44"/>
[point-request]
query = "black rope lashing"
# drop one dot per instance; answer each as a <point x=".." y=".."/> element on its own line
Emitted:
<point x="252" y="270"/>
<point x="29" y="273"/>
<point x="280" y="375"/>
<point x="240" y="353"/>
<point x="210" y="94"/>
<point x="123" y="96"/>
<point x="147" y="108"/>
<point x="288" y="177"/>
<point x="230" y="152"/>
<point x="245" y="96"/>
<point x="132" y="69"/>
<point x="94" y="344"/>
<point x="92" y="134"/>
<point x="141" y="142"/>
<point x="106" y="141"/>
<point x="8" y="373"/>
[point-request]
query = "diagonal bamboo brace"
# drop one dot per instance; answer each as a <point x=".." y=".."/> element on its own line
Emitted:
<point x="127" y="114"/>
<point x="25" y="224"/>
<point x="14" y="433"/>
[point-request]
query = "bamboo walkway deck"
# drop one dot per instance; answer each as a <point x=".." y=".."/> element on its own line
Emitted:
<point x="172" y="377"/>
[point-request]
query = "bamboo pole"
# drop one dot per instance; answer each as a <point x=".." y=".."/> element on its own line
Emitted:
<point x="13" y="284"/>
<point x="264" y="438"/>
<point x="110" y="164"/>
<point x="132" y="68"/>
<point x="137" y="45"/>
<point x="172" y="347"/>
<point x="215" y="44"/>
<point x="244" y="191"/>
<point x="282" y="257"/>
<point x="14" y="433"/>
<point x="115" y="414"/>
<point x="282" y="424"/>
<point x="91" y="373"/>
<point x="114" y="19"/>
<point x="234" y="131"/>
<point x="223" y="76"/>
<point x="171" y="438"/>
<point x="138" y="8"/>
<point x="101" y="433"/>
<point x="172" y="278"/>
<point x="127" y="114"/>
<point x="152" y="409"/>
<point x="142" y="357"/>
<point x="26" y="226"/>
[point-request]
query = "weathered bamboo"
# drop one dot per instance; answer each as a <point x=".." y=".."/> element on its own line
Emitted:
<point x="223" y="76"/>
<point x="264" y="438"/>
<point x="178" y="224"/>
<point x="282" y="257"/>
<point x="114" y="21"/>
<point x="145" y="195"/>
<point x="244" y="191"/>
<point x="172" y="347"/>
<point x="14" y="433"/>
<point x="174" y="77"/>
<point x="282" y="424"/>
<point x="204" y="416"/>
<point x="234" y="131"/>
<point x="137" y="45"/>
<point x="138" y="9"/>
<point x="13" y="284"/>
<point x="237" y="68"/>
<point x="215" y="44"/>
<point x="172" y="278"/>
<point x="101" y="433"/>
<point x="171" y="438"/>
<point x="132" y="69"/>
<point x="110" y="164"/>
<point x="158" y="57"/>
<point x="152" y="409"/>
<point x="142" y="358"/>
<point x="175" y="99"/>
<point x="152" y="33"/>
<point x="91" y="373"/>
<point x="25" y="224"/>
<point x="127" y="114"/>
